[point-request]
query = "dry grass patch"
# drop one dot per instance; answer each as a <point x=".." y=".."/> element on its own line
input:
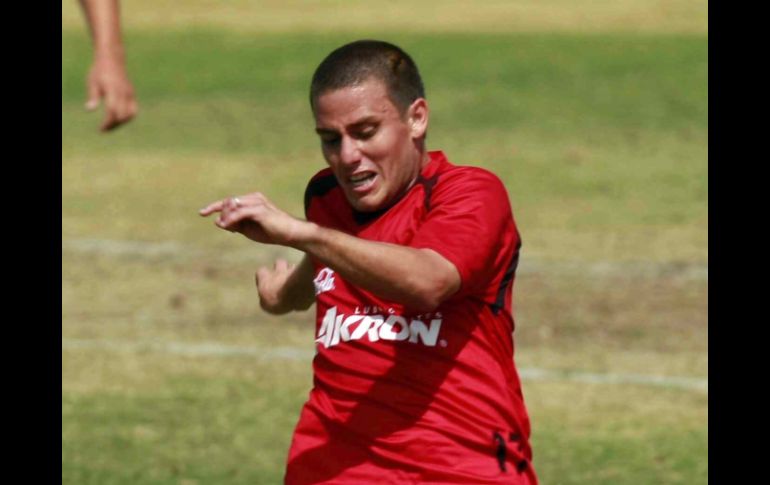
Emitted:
<point x="403" y="15"/>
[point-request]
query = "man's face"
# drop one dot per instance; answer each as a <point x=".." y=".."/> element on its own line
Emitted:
<point x="370" y="146"/>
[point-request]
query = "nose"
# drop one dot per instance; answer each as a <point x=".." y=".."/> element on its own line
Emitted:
<point x="350" y="152"/>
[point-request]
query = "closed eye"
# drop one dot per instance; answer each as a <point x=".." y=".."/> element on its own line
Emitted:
<point x="329" y="138"/>
<point x="366" y="133"/>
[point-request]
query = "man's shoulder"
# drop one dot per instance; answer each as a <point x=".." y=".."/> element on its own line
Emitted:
<point x="468" y="176"/>
<point x="319" y="185"/>
<point x="323" y="177"/>
<point x="470" y="171"/>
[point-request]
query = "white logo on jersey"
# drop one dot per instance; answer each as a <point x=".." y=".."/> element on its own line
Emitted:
<point x="336" y="328"/>
<point x="324" y="281"/>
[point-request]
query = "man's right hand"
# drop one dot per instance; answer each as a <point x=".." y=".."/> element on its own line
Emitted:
<point x="254" y="216"/>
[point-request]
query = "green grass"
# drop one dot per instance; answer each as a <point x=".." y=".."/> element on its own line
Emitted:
<point x="138" y="416"/>
<point x="575" y="83"/>
<point x="233" y="426"/>
<point x="259" y="16"/>
<point x="601" y="140"/>
<point x="647" y="436"/>
<point x="213" y="428"/>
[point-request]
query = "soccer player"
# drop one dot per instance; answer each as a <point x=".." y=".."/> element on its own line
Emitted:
<point x="107" y="77"/>
<point x="410" y="260"/>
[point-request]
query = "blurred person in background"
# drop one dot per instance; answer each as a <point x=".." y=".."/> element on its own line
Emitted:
<point x="410" y="260"/>
<point x="107" y="78"/>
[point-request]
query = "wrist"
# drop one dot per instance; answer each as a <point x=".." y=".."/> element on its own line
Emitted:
<point x="109" y="54"/>
<point x="304" y="235"/>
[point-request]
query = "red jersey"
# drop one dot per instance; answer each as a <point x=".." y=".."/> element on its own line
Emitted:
<point x="400" y="397"/>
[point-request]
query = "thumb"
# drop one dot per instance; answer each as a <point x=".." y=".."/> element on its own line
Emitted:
<point x="281" y="264"/>
<point x="262" y="274"/>
<point x="93" y="96"/>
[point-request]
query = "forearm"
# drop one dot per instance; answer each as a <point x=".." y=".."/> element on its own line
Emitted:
<point x="103" y="17"/>
<point x="421" y="279"/>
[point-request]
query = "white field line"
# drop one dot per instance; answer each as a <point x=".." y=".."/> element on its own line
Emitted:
<point x="537" y="374"/>
<point x="116" y="247"/>
<point x="206" y="349"/>
<point x="176" y="250"/>
<point x="214" y="349"/>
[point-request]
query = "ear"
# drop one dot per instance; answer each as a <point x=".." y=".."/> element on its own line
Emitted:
<point x="417" y="117"/>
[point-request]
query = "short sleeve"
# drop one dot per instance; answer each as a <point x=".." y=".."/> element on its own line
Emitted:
<point x="470" y="223"/>
<point x="318" y="186"/>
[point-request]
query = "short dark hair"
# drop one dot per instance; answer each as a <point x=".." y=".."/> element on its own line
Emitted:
<point x="361" y="60"/>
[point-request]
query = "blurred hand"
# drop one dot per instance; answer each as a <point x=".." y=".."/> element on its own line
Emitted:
<point x="108" y="80"/>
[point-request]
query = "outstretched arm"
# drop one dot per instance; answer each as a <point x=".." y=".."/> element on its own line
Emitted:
<point x="421" y="279"/>
<point x="107" y="77"/>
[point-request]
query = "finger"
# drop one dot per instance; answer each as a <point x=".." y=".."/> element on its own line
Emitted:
<point x="225" y="206"/>
<point x="252" y="198"/>
<point x="235" y="227"/>
<point x="127" y="107"/>
<point x="110" y="123"/>
<point x="120" y="114"/>
<point x="261" y="274"/>
<point x="111" y="111"/>
<point x="110" y="120"/>
<point x="235" y="203"/>
<point x="211" y="208"/>
<point x="232" y="216"/>
<point x="92" y="90"/>
<point x="133" y="109"/>
<point x="281" y="265"/>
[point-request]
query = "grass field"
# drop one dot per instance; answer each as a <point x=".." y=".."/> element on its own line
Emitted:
<point x="595" y="116"/>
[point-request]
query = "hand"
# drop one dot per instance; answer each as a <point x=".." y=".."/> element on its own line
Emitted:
<point x="255" y="217"/>
<point x="108" y="79"/>
<point x="270" y="282"/>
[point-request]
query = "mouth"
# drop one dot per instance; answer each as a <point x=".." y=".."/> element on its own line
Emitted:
<point x="361" y="182"/>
